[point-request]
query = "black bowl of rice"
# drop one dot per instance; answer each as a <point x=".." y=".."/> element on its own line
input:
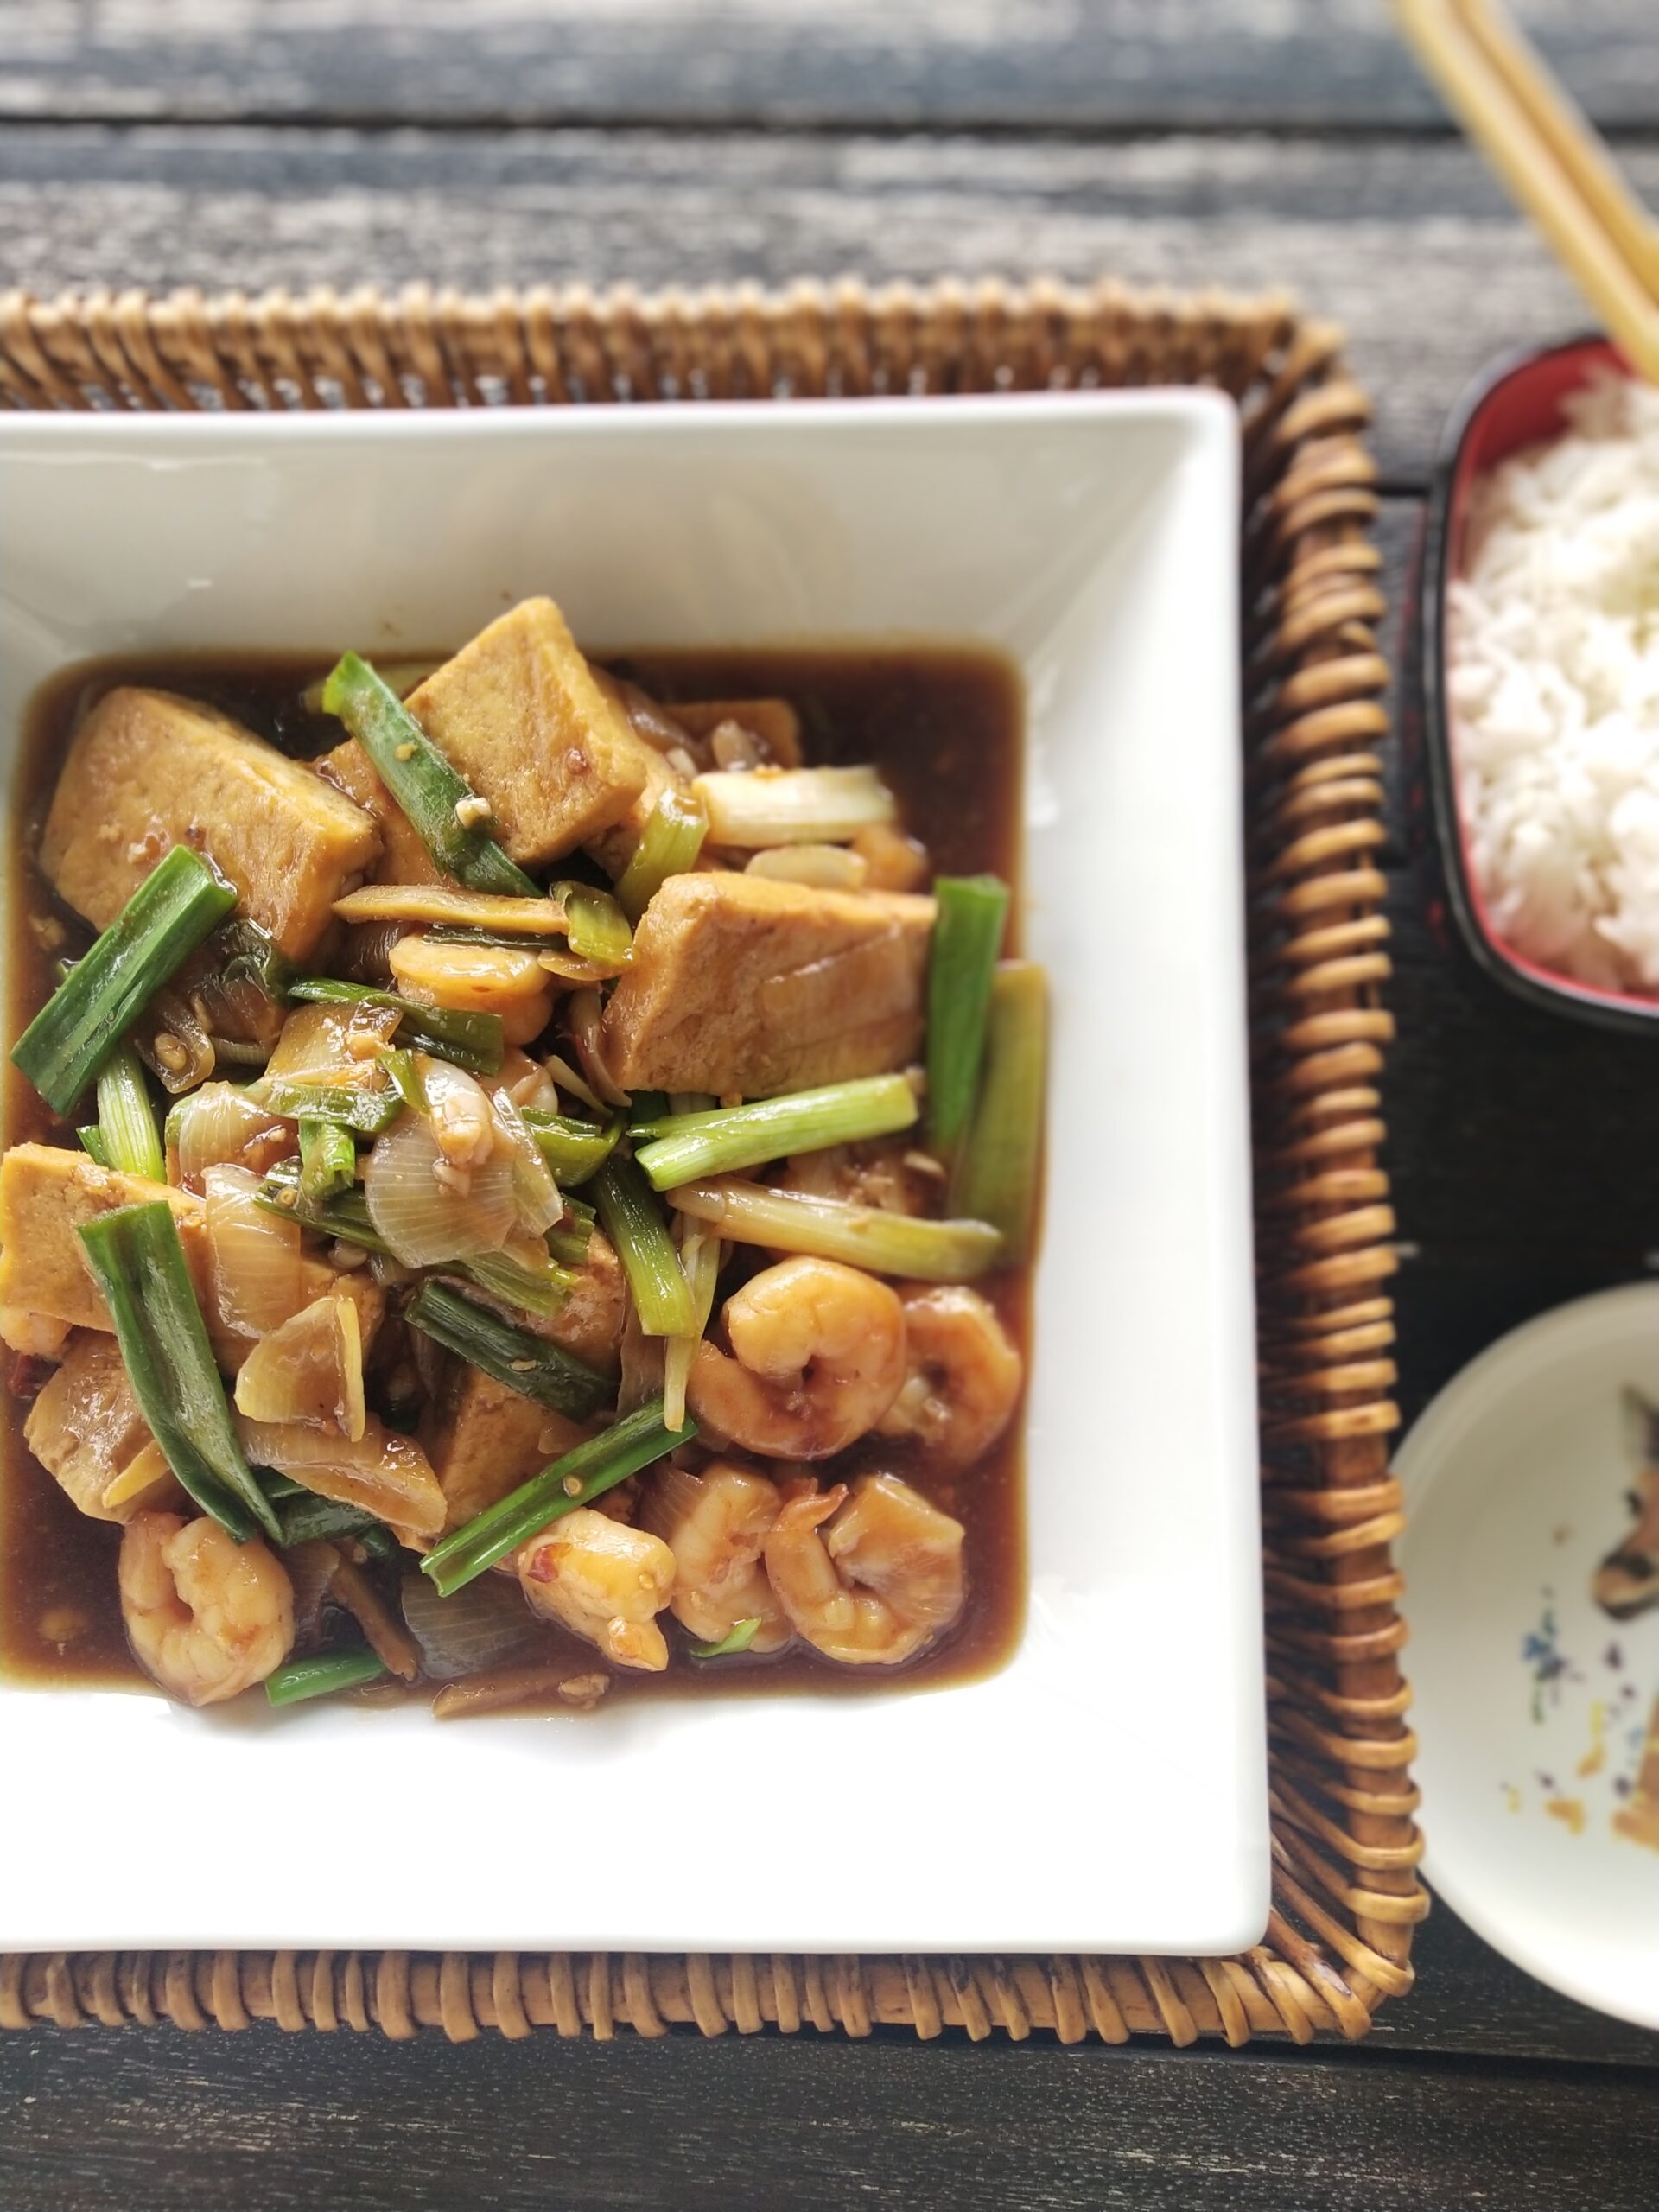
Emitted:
<point x="1541" y="679"/>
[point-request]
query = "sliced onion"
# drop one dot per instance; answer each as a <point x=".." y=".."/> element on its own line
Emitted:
<point x="382" y="1473"/>
<point x="483" y="1624"/>
<point x="209" y="1127"/>
<point x="309" y="1370"/>
<point x="432" y="1191"/>
<point x="825" y="868"/>
<point x="537" y="1197"/>
<point x="256" y="1260"/>
<point x="584" y="1018"/>
<point x="311" y="1568"/>
<point x="317" y="1043"/>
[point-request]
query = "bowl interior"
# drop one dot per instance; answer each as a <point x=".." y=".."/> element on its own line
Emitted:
<point x="1520" y="405"/>
<point x="1114" y="1771"/>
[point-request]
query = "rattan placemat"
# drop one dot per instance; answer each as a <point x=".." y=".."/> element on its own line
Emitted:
<point x="1344" y="1845"/>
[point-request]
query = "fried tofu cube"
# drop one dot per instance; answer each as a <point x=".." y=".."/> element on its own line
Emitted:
<point x="741" y="985"/>
<point x="86" y="1429"/>
<point x="148" y="770"/>
<point x="403" y="857"/>
<point x="589" y="1323"/>
<point x="484" y="1440"/>
<point x="47" y="1194"/>
<point x="518" y="713"/>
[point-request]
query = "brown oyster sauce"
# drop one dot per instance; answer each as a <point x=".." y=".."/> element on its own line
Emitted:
<point x="944" y="725"/>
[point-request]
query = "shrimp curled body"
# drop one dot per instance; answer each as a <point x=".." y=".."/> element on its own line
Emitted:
<point x="604" y="1582"/>
<point x="964" y="1382"/>
<point x="875" y="1583"/>
<point x="206" y="1616"/>
<point x="817" y="1356"/>
<point x="717" y="1524"/>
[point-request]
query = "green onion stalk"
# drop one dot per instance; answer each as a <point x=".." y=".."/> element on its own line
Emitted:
<point x="137" y="1262"/>
<point x="634" y="1223"/>
<point x="323" y="1674"/>
<point x="524" y="1362"/>
<point x="576" y="1479"/>
<point x="469" y="1040"/>
<point x="669" y="845"/>
<point x="573" y="1149"/>
<point x="178" y="903"/>
<point x="966" y="938"/>
<point x="836" y="1229"/>
<point x="328" y="1161"/>
<point x="438" y="800"/>
<point x="684" y="1146"/>
<point x="999" y="1172"/>
<point x="126" y="1119"/>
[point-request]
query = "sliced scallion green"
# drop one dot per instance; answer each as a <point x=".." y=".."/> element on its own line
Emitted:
<point x="967" y="929"/>
<point x="576" y="1480"/>
<point x="573" y="1149"/>
<point x="137" y="1260"/>
<point x="542" y="1291"/>
<point x="471" y="1041"/>
<point x="126" y="1119"/>
<point x="308" y="1517"/>
<point x="596" y="928"/>
<point x="837" y="1229"/>
<point x="328" y="1161"/>
<point x="92" y="1143"/>
<point x="634" y="1221"/>
<point x="999" y="1169"/>
<point x="346" y="1216"/>
<point x="178" y="904"/>
<point x="669" y="845"/>
<point x="527" y="1364"/>
<point x="431" y="790"/>
<point x="735" y="1639"/>
<point x="323" y="1674"/>
<point x="366" y="1109"/>
<point x="684" y="1146"/>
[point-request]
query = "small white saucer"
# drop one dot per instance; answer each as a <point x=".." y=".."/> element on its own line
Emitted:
<point x="1538" y="1710"/>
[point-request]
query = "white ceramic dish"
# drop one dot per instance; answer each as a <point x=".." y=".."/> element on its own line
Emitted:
<point x="1537" y="1712"/>
<point x="1105" y="1791"/>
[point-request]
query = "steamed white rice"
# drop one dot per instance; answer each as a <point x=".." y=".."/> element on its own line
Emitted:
<point x="1554" y="677"/>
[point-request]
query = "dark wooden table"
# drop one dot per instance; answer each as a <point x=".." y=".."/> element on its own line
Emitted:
<point x="1246" y="143"/>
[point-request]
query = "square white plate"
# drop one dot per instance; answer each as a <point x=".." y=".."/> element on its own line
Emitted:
<point x="1107" y="1791"/>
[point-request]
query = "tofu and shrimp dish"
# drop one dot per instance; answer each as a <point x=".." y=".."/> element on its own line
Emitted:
<point x="521" y="1174"/>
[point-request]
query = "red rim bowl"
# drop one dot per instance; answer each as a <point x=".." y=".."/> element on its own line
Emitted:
<point x="1517" y="402"/>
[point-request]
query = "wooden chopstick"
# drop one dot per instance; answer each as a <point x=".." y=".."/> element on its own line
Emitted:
<point x="1551" y="159"/>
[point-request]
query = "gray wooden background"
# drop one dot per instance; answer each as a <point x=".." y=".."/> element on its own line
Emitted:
<point x="1250" y="144"/>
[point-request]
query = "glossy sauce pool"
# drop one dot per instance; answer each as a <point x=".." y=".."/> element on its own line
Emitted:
<point x="945" y="728"/>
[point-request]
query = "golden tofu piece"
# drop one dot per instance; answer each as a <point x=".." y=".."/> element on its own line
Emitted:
<point x="741" y="985"/>
<point x="589" y="1323"/>
<point x="47" y="1194"/>
<point x="403" y="857"/>
<point x="86" y="1429"/>
<point x="518" y="713"/>
<point x="148" y="770"/>
<point x="484" y="1440"/>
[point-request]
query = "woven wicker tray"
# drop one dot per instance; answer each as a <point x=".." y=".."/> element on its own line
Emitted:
<point x="1344" y="1847"/>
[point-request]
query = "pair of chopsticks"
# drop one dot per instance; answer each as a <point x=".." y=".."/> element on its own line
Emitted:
<point x="1551" y="158"/>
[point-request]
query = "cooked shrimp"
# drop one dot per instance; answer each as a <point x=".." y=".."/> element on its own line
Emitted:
<point x="717" y="1524"/>
<point x="206" y="1616"/>
<point x="817" y="1356"/>
<point x="603" y="1581"/>
<point x="964" y="1380"/>
<point x="880" y="1580"/>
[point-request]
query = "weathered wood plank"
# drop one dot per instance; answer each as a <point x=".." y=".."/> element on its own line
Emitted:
<point x="945" y="63"/>
<point x="175" y="2122"/>
<point x="1411" y="245"/>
